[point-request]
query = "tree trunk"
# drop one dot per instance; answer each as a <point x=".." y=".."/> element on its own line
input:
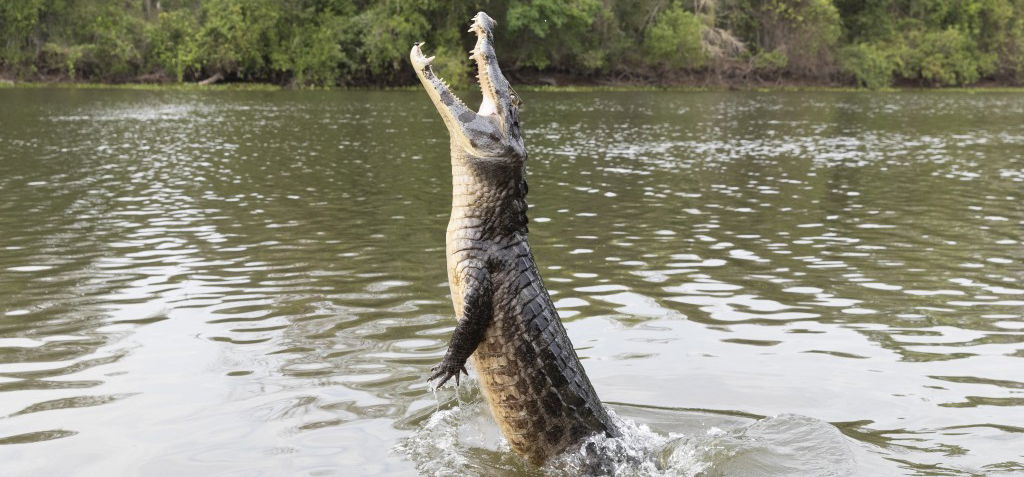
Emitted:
<point x="213" y="79"/>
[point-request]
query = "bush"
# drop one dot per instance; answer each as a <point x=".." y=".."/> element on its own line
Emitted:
<point x="114" y="54"/>
<point x="237" y="35"/>
<point x="100" y="42"/>
<point x="1005" y="28"/>
<point x="804" y="31"/>
<point x="674" y="40"/>
<point x="385" y="35"/>
<point x="1011" y="64"/>
<point x="558" y="33"/>
<point x="17" y="21"/>
<point x="173" y="44"/>
<point x="769" y="62"/>
<point x="313" y="54"/>
<point x="62" y="59"/>
<point x="943" y="58"/>
<point x="870" y="65"/>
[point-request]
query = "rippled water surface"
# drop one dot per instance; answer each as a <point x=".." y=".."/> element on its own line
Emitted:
<point x="229" y="283"/>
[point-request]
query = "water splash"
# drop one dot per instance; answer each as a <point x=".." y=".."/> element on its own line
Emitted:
<point x="461" y="440"/>
<point x="788" y="444"/>
<point x="638" y="452"/>
<point x="456" y="440"/>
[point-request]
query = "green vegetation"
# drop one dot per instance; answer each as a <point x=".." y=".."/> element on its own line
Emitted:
<point x="870" y="43"/>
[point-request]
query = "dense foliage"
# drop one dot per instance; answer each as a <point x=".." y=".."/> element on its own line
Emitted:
<point x="873" y="43"/>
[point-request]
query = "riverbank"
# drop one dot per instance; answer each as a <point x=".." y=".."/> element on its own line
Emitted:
<point x="783" y="87"/>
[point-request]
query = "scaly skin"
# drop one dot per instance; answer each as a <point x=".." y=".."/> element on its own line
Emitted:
<point x="532" y="379"/>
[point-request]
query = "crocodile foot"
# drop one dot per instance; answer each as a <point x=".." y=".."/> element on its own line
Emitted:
<point x="448" y="369"/>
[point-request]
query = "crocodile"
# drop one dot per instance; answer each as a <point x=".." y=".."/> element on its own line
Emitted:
<point x="530" y="375"/>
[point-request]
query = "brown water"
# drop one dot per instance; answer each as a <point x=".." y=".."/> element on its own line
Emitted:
<point x="253" y="283"/>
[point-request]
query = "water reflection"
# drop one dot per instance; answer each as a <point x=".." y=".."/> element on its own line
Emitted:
<point x="254" y="282"/>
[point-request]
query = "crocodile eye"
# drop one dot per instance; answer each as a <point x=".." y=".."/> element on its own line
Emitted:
<point x="516" y="101"/>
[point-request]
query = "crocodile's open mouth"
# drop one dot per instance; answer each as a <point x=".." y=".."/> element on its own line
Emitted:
<point x="498" y="97"/>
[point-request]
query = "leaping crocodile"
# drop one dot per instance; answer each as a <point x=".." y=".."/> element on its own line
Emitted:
<point x="532" y="379"/>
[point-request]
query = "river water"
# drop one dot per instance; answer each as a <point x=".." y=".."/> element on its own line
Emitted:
<point x="253" y="283"/>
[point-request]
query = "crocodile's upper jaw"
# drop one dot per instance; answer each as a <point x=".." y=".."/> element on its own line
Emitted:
<point x="492" y="130"/>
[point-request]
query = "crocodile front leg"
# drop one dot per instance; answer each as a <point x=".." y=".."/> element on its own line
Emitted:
<point x="475" y="317"/>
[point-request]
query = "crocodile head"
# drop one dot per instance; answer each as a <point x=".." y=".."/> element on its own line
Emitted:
<point x="492" y="131"/>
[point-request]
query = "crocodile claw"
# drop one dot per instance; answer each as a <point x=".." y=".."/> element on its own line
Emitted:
<point x="447" y="370"/>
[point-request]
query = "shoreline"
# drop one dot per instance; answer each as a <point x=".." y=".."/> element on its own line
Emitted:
<point x="569" y="88"/>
